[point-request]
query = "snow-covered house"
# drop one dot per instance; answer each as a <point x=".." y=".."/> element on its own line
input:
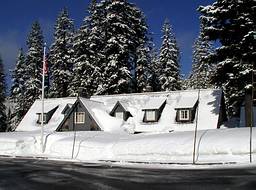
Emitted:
<point x="68" y="114"/>
<point x="146" y="112"/>
<point x="168" y="111"/>
<point x="53" y="115"/>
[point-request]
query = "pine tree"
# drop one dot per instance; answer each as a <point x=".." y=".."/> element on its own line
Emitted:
<point x="34" y="62"/>
<point x="3" y="117"/>
<point x="153" y="69"/>
<point x="60" y="56"/>
<point x="17" y="90"/>
<point x="232" y="23"/>
<point x="169" y="70"/>
<point x="124" y="31"/>
<point x="142" y="68"/>
<point x="201" y="70"/>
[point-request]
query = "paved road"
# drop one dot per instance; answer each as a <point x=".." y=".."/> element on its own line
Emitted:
<point x="47" y="175"/>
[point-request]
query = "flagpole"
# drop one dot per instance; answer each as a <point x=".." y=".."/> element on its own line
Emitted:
<point x="42" y="113"/>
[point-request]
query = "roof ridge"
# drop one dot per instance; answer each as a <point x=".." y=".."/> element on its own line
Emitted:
<point x="156" y="93"/>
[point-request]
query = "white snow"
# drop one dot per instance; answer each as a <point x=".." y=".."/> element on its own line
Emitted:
<point x="208" y="109"/>
<point x="154" y="104"/>
<point x="29" y="122"/>
<point x="212" y="146"/>
<point x="186" y="102"/>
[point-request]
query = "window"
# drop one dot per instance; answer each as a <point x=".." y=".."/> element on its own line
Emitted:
<point x="184" y="115"/>
<point x="119" y="115"/>
<point x="150" y="115"/>
<point x="79" y="117"/>
<point x="40" y="118"/>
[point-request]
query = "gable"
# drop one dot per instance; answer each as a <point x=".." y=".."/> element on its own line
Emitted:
<point x="79" y="107"/>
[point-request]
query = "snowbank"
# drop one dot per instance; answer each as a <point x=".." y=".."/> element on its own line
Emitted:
<point x="214" y="146"/>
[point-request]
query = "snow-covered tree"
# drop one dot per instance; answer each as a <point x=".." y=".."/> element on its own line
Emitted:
<point x="18" y="89"/>
<point x="142" y="66"/>
<point x="124" y="30"/>
<point x="60" y="57"/>
<point x="3" y="117"/>
<point x="34" y="62"/>
<point x="201" y="69"/>
<point x="169" y="69"/>
<point x="233" y="24"/>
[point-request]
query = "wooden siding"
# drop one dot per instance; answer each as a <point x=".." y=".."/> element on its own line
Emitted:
<point x="69" y="125"/>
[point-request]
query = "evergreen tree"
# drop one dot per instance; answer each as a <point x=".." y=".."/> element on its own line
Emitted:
<point x="201" y="70"/>
<point x="85" y="72"/>
<point x="3" y="117"/>
<point x="169" y="70"/>
<point x="60" y="56"/>
<point x="124" y="32"/>
<point x="17" y="90"/>
<point x="34" y="62"/>
<point x="232" y="23"/>
<point x="142" y="68"/>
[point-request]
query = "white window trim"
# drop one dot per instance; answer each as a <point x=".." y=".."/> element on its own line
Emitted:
<point x="40" y="118"/>
<point x="79" y="117"/>
<point x="184" y="115"/>
<point x="119" y="114"/>
<point x="153" y="112"/>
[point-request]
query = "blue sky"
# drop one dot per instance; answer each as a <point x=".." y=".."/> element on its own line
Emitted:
<point x="16" y="17"/>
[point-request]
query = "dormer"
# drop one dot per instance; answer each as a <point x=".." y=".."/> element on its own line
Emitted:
<point x="186" y="109"/>
<point x="120" y="110"/>
<point x="48" y="113"/>
<point x="153" y="110"/>
<point x="66" y="109"/>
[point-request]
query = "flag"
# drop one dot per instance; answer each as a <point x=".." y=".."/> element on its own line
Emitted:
<point x="45" y="66"/>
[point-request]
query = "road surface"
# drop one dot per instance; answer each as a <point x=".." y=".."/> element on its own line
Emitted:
<point x="46" y="175"/>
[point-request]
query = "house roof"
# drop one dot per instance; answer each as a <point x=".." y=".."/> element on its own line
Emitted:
<point x="47" y="108"/>
<point x="186" y="102"/>
<point x="154" y="104"/>
<point x="29" y="122"/>
<point x="208" y="108"/>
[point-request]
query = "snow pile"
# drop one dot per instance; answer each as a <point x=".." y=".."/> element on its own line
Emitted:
<point x="214" y="146"/>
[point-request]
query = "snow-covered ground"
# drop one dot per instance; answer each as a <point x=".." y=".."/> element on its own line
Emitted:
<point x="213" y="146"/>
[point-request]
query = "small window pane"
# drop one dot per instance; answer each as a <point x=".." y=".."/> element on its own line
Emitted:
<point x="150" y="116"/>
<point x="184" y="115"/>
<point x="40" y="118"/>
<point x="120" y="115"/>
<point x="79" y="117"/>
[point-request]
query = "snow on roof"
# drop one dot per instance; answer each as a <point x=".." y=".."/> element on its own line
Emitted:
<point x="29" y="122"/>
<point x="186" y="102"/>
<point x="47" y="108"/>
<point x="208" y="113"/>
<point x="101" y="116"/>
<point x="154" y="104"/>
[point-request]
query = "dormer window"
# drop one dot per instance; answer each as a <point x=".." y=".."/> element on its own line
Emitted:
<point x="186" y="109"/>
<point x="40" y="118"/>
<point x="150" y="116"/>
<point x="119" y="115"/>
<point x="120" y="110"/>
<point x="49" y="111"/>
<point x="184" y="115"/>
<point x="153" y="110"/>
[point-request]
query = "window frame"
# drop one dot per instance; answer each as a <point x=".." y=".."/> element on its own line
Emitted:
<point x="147" y="118"/>
<point x="184" y="115"/>
<point x="40" y="118"/>
<point x="119" y="112"/>
<point x="79" y="118"/>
